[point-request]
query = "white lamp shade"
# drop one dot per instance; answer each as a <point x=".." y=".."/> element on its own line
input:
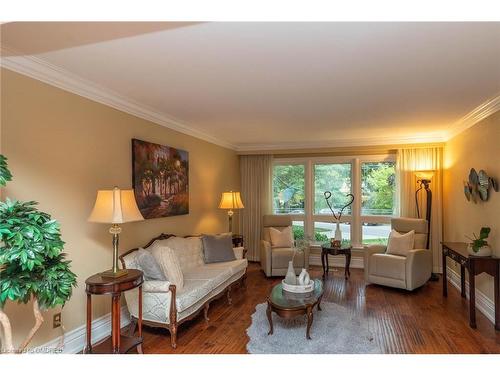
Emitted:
<point x="115" y="207"/>
<point x="231" y="200"/>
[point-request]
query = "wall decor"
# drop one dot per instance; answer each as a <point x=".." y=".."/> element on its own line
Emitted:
<point x="160" y="177"/>
<point x="479" y="186"/>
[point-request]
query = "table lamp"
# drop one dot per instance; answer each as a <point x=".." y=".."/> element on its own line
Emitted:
<point x="231" y="201"/>
<point x="115" y="207"/>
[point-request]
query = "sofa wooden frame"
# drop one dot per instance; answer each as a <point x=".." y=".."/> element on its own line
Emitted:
<point x="173" y="324"/>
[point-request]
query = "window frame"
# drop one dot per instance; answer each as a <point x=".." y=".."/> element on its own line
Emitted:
<point x="355" y="218"/>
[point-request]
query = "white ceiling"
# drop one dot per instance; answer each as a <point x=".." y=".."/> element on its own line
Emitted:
<point x="277" y="85"/>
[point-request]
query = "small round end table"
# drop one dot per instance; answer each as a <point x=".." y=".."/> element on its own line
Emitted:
<point x="99" y="285"/>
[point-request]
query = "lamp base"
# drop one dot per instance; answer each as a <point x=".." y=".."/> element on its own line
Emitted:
<point x="113" y="275"/>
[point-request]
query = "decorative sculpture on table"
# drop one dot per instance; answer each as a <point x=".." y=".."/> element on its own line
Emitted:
<point x="292" y="283"/>
<point x="337" y="216"/>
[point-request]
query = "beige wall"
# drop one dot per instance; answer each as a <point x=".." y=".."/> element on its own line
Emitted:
<point x="479" y="148"/>
<point x="62" y="148"/>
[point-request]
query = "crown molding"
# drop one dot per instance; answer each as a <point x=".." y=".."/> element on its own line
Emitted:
<point x="339" y="143"/>
<point x="46" y="72"/>
<point x="478" y="114"/>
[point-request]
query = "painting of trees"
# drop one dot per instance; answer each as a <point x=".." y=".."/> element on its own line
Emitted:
<point x="160" y="179"/>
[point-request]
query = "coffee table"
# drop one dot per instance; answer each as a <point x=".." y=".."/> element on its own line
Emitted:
<point x="289" y="305"/>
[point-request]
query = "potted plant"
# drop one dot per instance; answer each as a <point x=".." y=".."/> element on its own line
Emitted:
<point x="32" y="264"/>
<point x="479" y="246"/>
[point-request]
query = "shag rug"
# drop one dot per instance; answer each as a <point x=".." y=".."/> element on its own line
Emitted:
<point x="334" y="331"/>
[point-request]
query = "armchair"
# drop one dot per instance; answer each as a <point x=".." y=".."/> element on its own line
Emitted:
<point x="274" y="260"/>
<point x="404" y="272"/>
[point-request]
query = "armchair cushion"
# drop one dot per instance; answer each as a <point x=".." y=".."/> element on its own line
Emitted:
<point x="281" y="256"/>
<point x="400" y="244"/>
<point x="281" y="238"/>
<point x="388" y="266"/>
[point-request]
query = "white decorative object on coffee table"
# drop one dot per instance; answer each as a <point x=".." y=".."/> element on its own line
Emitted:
<point x="304" y="277"/>
<point x="298" y="288"/>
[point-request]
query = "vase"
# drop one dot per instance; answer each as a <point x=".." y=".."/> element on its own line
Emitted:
<point x="338" y="232"/>
<point x="290" y="277"/>
<point x="483" y="251"/>
<point x="304" y="277"/>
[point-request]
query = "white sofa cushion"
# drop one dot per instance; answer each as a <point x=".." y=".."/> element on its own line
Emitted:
<point x="169" y="264"/>
<point x="148" y="265"/>
<point x="188" y="250"/>
<point x="400" y="244"/>
<point x="234" y="266"/>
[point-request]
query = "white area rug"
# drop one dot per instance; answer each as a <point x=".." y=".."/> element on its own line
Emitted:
<point x="334" y="330"/>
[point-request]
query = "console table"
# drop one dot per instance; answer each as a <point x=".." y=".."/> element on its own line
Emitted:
<point x="475" y="266"/>
<point x="99" y="285"/>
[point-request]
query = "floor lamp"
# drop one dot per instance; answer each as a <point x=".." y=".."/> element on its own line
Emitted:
<point x="424" y="179"/>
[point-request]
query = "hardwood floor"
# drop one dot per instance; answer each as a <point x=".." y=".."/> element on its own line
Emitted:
<point x="402" y="322"/>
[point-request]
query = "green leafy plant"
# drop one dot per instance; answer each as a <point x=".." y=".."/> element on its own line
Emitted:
<point x="4" y="171"/>
<point x="32" y="264"/>
<point x="479" y="242"/>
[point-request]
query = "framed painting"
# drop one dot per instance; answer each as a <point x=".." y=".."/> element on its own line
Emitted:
<point x="160" y="177"/>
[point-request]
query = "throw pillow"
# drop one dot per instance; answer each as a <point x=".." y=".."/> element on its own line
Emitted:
<point x="147" y="264"/>
<point x="281" y="238"/>
<point x="169" y="265"/>
<point x="218" y="248"/>
<point x="400" y="244"/>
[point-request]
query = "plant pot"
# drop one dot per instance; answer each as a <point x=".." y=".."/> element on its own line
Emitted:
<point x="484" y="251"/>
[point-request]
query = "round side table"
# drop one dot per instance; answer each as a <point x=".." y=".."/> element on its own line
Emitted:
<point x="99" y="285"/>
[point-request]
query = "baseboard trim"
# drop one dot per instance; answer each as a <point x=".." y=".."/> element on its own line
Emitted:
<point x="483" y="303"/>
<point x="75" y="340"/>
<point x="336" y="261"/>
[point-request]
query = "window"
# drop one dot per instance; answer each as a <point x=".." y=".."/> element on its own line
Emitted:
<point x="288" y="189"/>
<point x="299" y="186"/>
<point x="375" y="233"/>
<point x="335" y="178"/>
<point x="298" y="230"/>
<point x="323" y="231"/>
<point x="378" y="181"/>
<point x="378" y="189"/>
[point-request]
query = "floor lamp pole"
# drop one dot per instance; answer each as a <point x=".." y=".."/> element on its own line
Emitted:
<point x="424" y="184"/>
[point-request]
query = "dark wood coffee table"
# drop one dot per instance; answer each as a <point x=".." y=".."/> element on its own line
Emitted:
<point x="327" y="249"/>
<point x="289" y="305"/>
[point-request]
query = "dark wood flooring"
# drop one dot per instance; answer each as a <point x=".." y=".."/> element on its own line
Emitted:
<point x="402" y="322"/>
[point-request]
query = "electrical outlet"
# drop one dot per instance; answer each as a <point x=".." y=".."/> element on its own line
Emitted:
<point x="56" y="320"/>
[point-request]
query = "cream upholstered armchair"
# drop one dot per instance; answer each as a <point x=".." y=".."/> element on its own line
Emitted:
<point x="405" y="272"/>
<point x="274" y="260"/>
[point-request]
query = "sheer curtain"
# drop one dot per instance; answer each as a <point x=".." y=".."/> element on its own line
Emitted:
<point x="409" y="161"/>
<point x="256" y="186"/>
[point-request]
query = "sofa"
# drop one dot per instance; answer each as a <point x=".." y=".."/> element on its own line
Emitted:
<point x="404" y="272"/>
<point x="166" y="306"/>
<point x="274" y="260"/>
